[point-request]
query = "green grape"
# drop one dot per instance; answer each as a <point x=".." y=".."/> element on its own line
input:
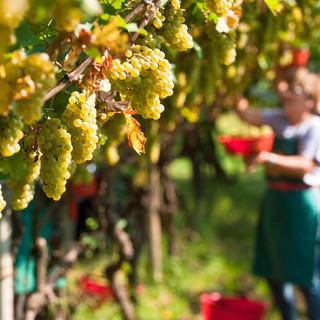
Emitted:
<point x="220" y="7"/>
<point x="174" y="31"/>
<point x="42" y="72"/>
<point x="23" y="191"/>
<point x="66" y="15"/>
<point x="55" y="146"/>
<point x="10" y="134"/>
<point x="11" y="12"/>
<point x="168" y="27"/>
<point x="144" y="79"/>
<point x="224" y="44"/>
<point x="80" y="117"/>
<point x="2" y="201"/>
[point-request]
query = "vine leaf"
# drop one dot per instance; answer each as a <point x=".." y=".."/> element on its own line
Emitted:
<point x="274" y="5"/>
<point x="136" y="138"/>
<point x="111" y="105"/>
<point x="14" y="166"/>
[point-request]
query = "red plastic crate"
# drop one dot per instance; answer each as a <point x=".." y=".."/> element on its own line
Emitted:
<point x="247" y="145"/>
<point x="216" y="307"/>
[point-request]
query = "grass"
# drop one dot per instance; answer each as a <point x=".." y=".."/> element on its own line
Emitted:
<point x="215" y="255"/>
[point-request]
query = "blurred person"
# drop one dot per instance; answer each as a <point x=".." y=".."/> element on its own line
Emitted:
<point x="288" y="232"/>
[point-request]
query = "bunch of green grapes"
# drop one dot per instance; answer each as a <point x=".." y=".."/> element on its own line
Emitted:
<point x="224" y="44"/>
<point x="144" y="78"/>
<point x="30" y="77"/>
<point x="80" y="117"/>
<point x="173" y="29"/>
<point x="11" y="13"/>
<point x="2" y="201"/>
<point x="23" y="191"/>
<point x="55" y="146"/>
<point x="168" y="27"/>
<point x="220" y="7"/>
<point x="231" y="124"/>
<point x="10" y="134"/>
<point x="66" y="15"/>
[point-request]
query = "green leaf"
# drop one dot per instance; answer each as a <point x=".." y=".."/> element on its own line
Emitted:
<point x="25" y="35"/>
<point x="15" y="167"/>
<point x="132" y="27"/>
<point x="104" y="139"/>
<point x="143" y="32"/>
<point x="273" y="5"/>
<point x="105" y="16"/>
<point x="195" y="14"/>
<point x="212" y="17"/>
<point x="94" y="53"/>
<point x="116" y="4"/>
<point x="122" y="23"/>
<point x="198" y="50"/>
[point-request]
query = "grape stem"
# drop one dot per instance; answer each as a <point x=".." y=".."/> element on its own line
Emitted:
<point x="50" y="108"/>
<point x="143" y="57"/>
<point x="75" y="75"/>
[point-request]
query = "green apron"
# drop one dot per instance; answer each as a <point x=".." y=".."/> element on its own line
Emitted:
<point x="286" y="243"/>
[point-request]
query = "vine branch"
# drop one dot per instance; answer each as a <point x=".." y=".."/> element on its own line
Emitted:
<point x="75" y="74"/>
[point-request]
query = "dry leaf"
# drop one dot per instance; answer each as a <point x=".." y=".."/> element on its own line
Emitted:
<point x="136" y="138"/>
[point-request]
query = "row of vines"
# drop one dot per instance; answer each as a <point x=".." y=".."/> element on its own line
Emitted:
<point x="103" y="90"/>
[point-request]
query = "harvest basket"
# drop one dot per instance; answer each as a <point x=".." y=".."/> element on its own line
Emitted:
<point x="300" y="57"/>
<point x="217" y="307"/>
<point x="246" y="145"/>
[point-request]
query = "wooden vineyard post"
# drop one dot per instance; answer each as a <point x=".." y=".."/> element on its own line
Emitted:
<point x="154" y="222"/>
<point x="6" y="268"/>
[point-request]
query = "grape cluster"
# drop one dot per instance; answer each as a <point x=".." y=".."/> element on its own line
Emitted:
<point x="10" y="134"/>
<point x="66" y="15"/>
<point x="80" y="117"/>
<point x="226" y="42"/>
<point x="55" y="146"/>
<point x="173" y="28"/>
<point x="223" y="43"/>
<point x="11" y="13"/>
<point x="23" y="191"/>
<point x="144" y="78"/>
<point x="220" y="7"/>
<point x="168" y="27"/>
<point x="30" y="77"/>
<point x="2" y="201"/>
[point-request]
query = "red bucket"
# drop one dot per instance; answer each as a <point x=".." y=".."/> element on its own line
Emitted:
<point x="216" y="307"/>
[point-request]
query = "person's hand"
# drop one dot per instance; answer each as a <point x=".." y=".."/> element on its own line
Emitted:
<point x="252" y="161"/>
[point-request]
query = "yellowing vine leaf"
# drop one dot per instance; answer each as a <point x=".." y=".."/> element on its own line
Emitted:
<point x="136" y="138"/>
<point x="274" y="5"/>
